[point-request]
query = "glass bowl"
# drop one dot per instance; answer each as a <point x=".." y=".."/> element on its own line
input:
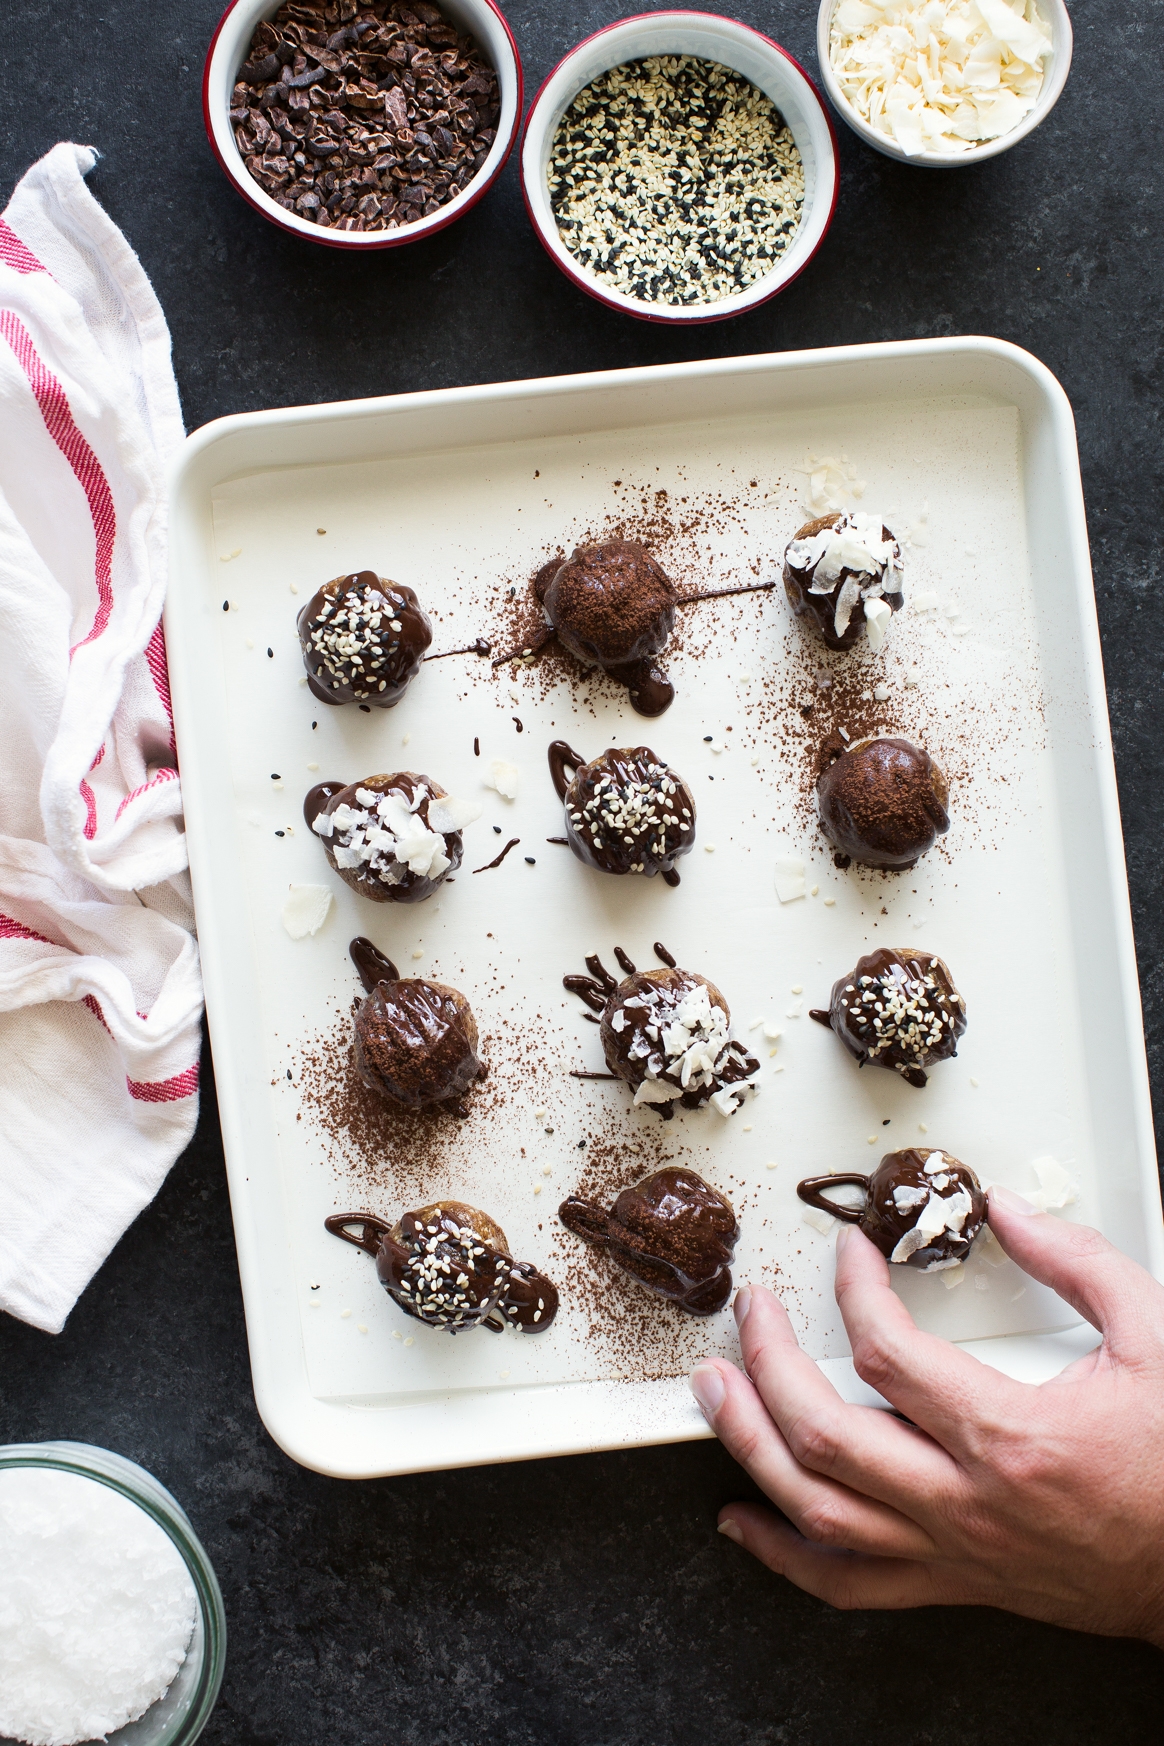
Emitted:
<point x="179" y="1717"/>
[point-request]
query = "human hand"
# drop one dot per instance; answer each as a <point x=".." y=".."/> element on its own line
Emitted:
<point x="1047" y="1501"/>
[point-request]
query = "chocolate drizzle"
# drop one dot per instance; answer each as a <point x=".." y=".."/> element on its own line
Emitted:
<point x="316" y="800"/>
<point x="371" y="964"/>
<point x="480" y="647"/>
<point x="673" y="1233"/>
<point x="449" y="1265"/>
<point x="497" y="859"/>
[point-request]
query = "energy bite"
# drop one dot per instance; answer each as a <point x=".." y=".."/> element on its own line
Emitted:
<point x="883" y="802"/>
<point x="922" y="1207"/>
<point x="673" y="1233"/>
<point x="363" y="640"/>
<point x="613" y="606"/>
<point x="391" y="838"/>
<point x="449" y="1266"/>
<point x="415" y="1041"/>
<point x="898" y="1009"/>
<point x="626" y="812"/>
<point x="844" y="573"/>
<point x="667" y="1034"/>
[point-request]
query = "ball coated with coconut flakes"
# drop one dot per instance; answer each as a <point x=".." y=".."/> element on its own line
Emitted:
<point x="843" y="573"/>
<point x="883" y="802"/>
<point x="363" y="640"/>
<point x="898" y="1008"/>
<point x="674" y="1233"/>
<point x="613" y="606"/>
<point x="922" y="1207"/>
<point x="394" y="838"/>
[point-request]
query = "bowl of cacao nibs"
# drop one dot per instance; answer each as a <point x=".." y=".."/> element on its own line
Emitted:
<point x="362" y="125"/>
<point x="679" y="167"/>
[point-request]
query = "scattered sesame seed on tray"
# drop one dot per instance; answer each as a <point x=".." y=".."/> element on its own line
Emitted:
<point x="675" y="179"/>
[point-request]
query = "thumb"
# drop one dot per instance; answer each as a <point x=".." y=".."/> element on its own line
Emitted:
<point x="1109" y="1290"/>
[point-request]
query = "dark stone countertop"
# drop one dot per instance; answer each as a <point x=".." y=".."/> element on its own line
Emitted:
<point x="585" y="1602"/>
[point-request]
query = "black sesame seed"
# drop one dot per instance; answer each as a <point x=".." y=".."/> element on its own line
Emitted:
<point x="366" y="709"/>
<point x="270" y="654"/>
<point x="280" y="833"/>
<point x="497" y="830"/>
<point x="226" y="606"/>
<point x="530" y="862"/>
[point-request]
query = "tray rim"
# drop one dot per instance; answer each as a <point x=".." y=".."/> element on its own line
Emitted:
<point x="317" y="1433"/>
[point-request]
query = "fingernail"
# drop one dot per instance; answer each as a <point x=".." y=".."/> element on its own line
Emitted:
<point x="742" y="1304"/>
<point x="730" y="1530"/>
<point x="1010" y="1202"/>
<point x="844" y="1235"/>
<point x="708" y="1389"/>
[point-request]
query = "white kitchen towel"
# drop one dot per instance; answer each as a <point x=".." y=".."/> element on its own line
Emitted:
<point x="100" y="992"/>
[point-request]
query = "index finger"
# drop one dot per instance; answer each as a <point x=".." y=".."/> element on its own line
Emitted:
<point x="958" y="1400"/>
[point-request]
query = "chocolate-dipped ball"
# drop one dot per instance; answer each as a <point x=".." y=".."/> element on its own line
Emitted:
<point x="921" y="1206"/>
<point x="449" y="1265"/>
<point x="667" y="1034"/>
<point x="613" y="607"/>
<point x="391" y="838"/>
<point x="415" y="1041"/>
<point x="363" y="640"/>
<point x="673" y="1233"/>
<point x="626" y="812"/>
<point x="844" y="573"/>
<point x="883" y="802"/>
<point x="897" y="1009"/>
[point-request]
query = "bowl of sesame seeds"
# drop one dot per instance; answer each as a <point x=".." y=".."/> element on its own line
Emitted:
<point x="680" y="167"/>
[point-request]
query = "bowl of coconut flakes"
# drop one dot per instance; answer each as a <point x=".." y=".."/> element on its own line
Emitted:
<point x="940" y="83"/>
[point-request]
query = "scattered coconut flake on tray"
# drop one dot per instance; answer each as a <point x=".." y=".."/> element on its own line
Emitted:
<point x="942" y="76"/>
<point x="306" y="909"/>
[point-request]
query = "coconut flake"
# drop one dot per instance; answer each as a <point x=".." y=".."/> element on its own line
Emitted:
<point x="306" y="909"/>
<point x="877" y="616"/>
<point x="939" y="76"/>
<point x="447" y="814"/>
<point x="503" y="776"/>
<point x="790" y="882"/>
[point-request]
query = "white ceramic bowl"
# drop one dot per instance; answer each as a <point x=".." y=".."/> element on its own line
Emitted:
<point x="1055" y="70"/>
<point x="480" y="19"/>
<point x="733" y="45"/>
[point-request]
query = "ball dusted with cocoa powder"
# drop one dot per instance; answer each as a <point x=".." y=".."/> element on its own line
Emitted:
<point x="674" y="1233"/>
<point x="883" y="803"/>
<point x="416" y="1043"/>
<point x="613" y="606"/>
<point x="363" y="640"/>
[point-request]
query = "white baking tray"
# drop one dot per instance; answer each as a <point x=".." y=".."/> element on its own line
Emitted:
<point x="968" y="447"/>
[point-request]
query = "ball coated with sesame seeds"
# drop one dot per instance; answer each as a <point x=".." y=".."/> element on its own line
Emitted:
<point x="626" y="811"/>
<point x="899" y="1009"/>
<point x="675" y="180"/>
<point x="449" y="1265"/>
<point x="363" y="640"/>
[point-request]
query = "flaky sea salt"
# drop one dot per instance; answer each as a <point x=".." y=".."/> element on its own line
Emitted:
<point x="96" y="1608"/>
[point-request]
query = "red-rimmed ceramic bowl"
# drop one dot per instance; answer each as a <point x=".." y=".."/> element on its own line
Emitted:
<point x="711" y="38"/>
<point x="480" y="19"/>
